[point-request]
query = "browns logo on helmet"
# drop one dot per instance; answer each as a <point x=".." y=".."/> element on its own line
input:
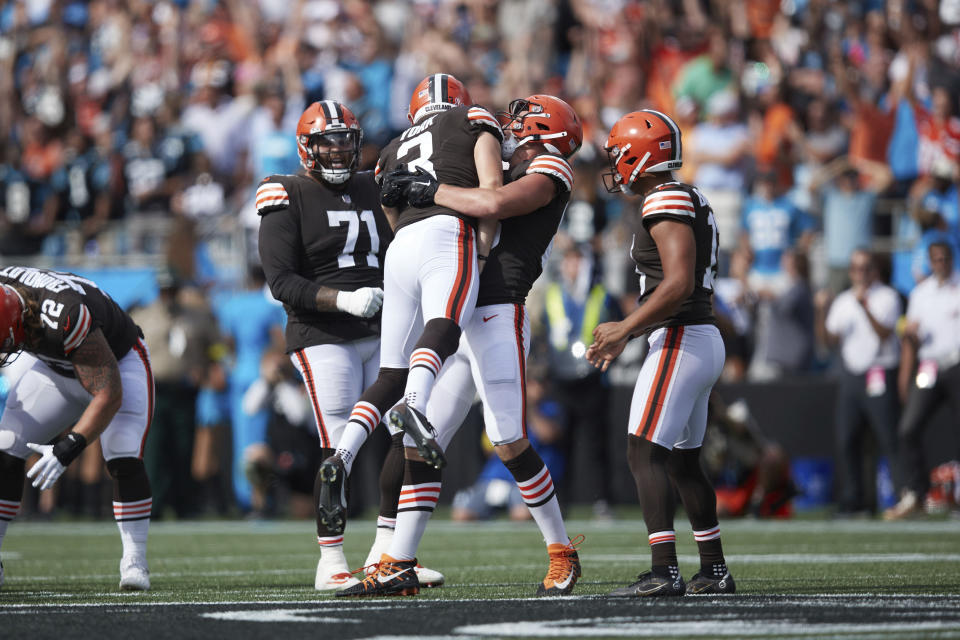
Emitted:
<point x="328" y="141"/>
<point x="644" y="141"/>
<point x="437" y="92"/>
<point x="545" y="119"/>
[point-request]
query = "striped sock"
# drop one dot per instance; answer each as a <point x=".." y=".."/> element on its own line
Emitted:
<point x="8" y="511"/>
<point x="536" y="487"/>
<point x="418" y="498"/>
<point x="133" y="520"/>
<point x="331" y="553"/>
<point x="425" y="365"/>
<point x="663" y="548"/>
<point x="711" y="551"/>
<point x="363" y="420"/>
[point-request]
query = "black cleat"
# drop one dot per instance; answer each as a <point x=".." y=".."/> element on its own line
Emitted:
<point x="704" y="585"/>
<point x="392" y="578"/>
<point x="415" y="425"/>
<point x="650" y="585"/>
<point x="332" y="504"/>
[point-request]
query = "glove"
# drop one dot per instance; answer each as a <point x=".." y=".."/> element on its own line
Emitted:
<point x="391" y="191"/>
<point x="54" y="459"/>
<point x="421" y="188"/>
<point x="362" y="303"/>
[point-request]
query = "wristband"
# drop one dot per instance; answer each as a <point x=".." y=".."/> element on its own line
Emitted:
<point x="67" y="448"/>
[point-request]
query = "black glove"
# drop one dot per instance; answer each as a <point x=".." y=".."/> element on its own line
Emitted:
<point x="391" y="191"/>
<point x="421" y="188"/>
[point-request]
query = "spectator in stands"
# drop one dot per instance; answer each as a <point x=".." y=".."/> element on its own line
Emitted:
<point x="785" y="323"/>
<point x="28" y="208"/>
<point x="720" y="148"/>
<point x="739" y="301"/>
<point x="861" y="322"/>
<point x="929" y="371"/>
<point x="574" y="306"/>
<point x="252" y="322"/>
<point x="771" y="225"/>
<point x="849" y="191"/>
<point x="83" y="186"/>
<point x="704" y="76"/>
<point x="181" y="336"/>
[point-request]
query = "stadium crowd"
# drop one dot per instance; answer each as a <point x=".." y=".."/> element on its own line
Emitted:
<point x="816" y="128"/>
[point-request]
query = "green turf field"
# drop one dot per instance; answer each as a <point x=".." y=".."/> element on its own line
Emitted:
<point x="802" y="578"/>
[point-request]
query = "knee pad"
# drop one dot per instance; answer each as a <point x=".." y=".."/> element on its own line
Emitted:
<point x="130" y="481"/>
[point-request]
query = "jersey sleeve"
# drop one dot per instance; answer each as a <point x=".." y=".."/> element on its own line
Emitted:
<point x="554" y="167"/>
<point x="271" y="196"/>
<point x="384" y="162"/>
<point x="672" y="204"/>
<point x="280" y="247"/>
<point x="480" y="120"/>
<point x="75" y="327"/>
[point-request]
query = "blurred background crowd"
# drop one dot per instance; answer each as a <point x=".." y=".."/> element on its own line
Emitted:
<point x="138" y="130"/>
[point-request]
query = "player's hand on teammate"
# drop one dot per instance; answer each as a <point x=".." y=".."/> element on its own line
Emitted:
<point x="363" y="302"/>
<point x="418" y="188"/>
<point x="393" y="187"/>
<point x="609" y="340"/>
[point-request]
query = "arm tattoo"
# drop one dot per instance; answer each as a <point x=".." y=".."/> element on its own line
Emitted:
<point x="95" y="365"/>
<point x="327" y="299"/>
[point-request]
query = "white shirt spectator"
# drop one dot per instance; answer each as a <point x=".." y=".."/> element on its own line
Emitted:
<point x="936" y="309"/>
<point x="860" y="347"/>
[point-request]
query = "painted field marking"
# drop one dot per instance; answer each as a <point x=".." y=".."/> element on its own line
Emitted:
<point x="275" y="615"/>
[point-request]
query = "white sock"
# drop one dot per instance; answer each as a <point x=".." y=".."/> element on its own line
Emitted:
<point x="425" y="364"/>
<point x="354" y="435"/>
<point x="332" y="554"/>
<point x="133" y="533"/>
<point x="411" y="525"/>
<point x="550" y="521"/>
<point x="380" y="545"/>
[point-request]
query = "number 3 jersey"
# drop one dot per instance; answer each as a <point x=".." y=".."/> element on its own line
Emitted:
<point x="70" y="308"/>
<point x="442" y="145"/>
<point x="313" y="236"/>
<point x="680" y="203"/>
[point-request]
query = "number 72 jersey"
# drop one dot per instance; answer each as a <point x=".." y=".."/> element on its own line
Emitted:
<point x="685" y="204"/>
<point x="313" y="236"/>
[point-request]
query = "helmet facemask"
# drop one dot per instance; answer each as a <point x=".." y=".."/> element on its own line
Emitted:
<point x="514" y="120"/>
<point x="334" y="155"/>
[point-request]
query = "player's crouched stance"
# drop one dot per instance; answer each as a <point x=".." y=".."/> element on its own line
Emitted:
<point x="675" y="248"/>
<point x="91" y="370"/>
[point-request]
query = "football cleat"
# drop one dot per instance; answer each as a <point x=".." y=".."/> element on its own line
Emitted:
<point x="331" y="576"/>
<point x="134" y="575"/>
<point x="702" y="584"/>
<point x="650" y="585"/>
<point x="908" y="506"/>
<point x="428" y="577"/>
<point x="392" y="578"/>
<point x="564" y="569"/>
<point x="332" y="506"/>
<point x="415" y="425"/>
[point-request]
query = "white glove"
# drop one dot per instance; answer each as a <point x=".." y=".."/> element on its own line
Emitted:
<point x="362" y="303"/>
<point x="47" y="469"/>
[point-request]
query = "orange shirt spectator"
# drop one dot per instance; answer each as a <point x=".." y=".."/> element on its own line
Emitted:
<point x="870" y="132"/>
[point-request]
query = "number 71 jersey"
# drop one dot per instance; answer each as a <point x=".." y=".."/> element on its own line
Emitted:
<point x="313" y="236"/>
<point x="685" y="204"/>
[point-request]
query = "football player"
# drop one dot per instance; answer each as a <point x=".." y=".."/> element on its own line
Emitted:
<point x="92" y="375"/>
<point x="675" y="250"/>
<point x="323" y="236"/>
<point x="430" y="277"/>
<point x="542" y="133"/>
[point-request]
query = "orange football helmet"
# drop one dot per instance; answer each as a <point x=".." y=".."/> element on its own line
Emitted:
<point x="644" y="141"/>
<point x="546" y="119"/>
<point x="437" y="92"/>
<point x="12" y="333"/>
<point x="328" y="141"/>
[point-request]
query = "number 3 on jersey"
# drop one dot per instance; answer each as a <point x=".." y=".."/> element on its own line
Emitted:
<point x="424" y="143"/>
<point x="347" y="258"/>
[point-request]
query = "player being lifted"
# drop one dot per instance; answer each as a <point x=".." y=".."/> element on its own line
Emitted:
<point x="91" y="373"/>
<point x="323" y="237"/>
<point x="430" y="276"/>
<point x="675" y="249"/>
<point x="545" y="132"/>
